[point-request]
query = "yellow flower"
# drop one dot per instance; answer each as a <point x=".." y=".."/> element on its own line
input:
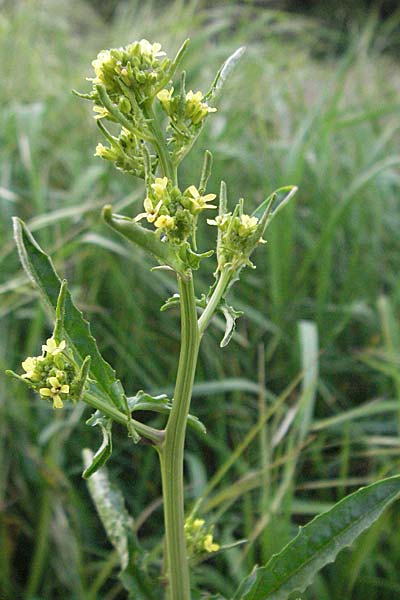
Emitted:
<point x="102" y="112"/>
<point x="29" y="365"/>
<point x="165" y="97"/>
<point x="164" y="222"/>
<point x="54" y="391"/>
<point x="196" y="110"/>
<point x="247" y="225"/>
<point x="149" y="49"/>
<point x="52" y="348"/>
<point x="159" y="187"/>
<point x="103" y="59"/>
<point x="151" y="213"/>
<point x="199" y="202"/>
<point x="209" y="545"/>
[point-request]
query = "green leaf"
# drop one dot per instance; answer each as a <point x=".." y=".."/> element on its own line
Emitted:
<point x="190" y="258"/>
<point x="318" y="543"/>
<point x="119" y="526"/>
<point x="224" y="72"/>
<point x="269" y="208"/>
<point x="40" y="270"/>
<point x="160" y="404"/>
<point x="174" y="300"/>
<point x="58" y="332"/>
<point x="230" y="315"/>
<point x="145" y="238"/>
<point x="105" y="450"/>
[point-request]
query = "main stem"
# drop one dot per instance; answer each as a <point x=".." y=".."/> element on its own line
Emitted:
<point x="172" y="451"/>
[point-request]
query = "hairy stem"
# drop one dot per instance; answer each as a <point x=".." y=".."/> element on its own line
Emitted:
<point x="172" y="451"/>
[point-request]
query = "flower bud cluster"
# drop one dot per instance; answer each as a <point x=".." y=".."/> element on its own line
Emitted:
<point x="172" y="212"/>
<point x="190" y="111"/>
<point x="125" y="152"/>
<point x="186" y="112"/>
<point x="238" y="235"/>
<point x="141" y="66"/>
<point x="199" y="537"/>
<point x="52" y="375"/>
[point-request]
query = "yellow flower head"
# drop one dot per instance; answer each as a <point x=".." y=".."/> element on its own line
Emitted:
<point x="165" y="222"/>
<point x="52" y="348"/>
<point x="196" y="109"/>
<point x="159" y="187"/>
<point x="151" y="212"/>
<point x="54" y="391"/>
<point x="209" y="545"/>
<point x="102" y="112"/>
<point x="247" y="225"/>
<point x="198" y="202"/>
<point x="165" y="97"/>
<point x="151" y="50"/>
<point x="29" y="365"/>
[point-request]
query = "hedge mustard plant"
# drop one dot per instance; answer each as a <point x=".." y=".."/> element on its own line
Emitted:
<point x="150" y="121"/>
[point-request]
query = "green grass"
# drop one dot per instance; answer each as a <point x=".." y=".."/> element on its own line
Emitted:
<point x="323" y="302"/>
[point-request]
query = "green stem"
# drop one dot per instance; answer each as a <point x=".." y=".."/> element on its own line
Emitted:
<point x="215" y="299"/>
<point x="159" y="142"/>
<point x="155" y="435"/>
<point x="172" y="451"/>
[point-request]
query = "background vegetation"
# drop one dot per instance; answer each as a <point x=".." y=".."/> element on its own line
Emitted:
<point x="314" y="366"/>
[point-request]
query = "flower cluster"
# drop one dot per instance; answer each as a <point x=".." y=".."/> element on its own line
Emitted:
<point x="141" y="66"/>
<point x="238" y="236"/>
<point x="199" y="537"/>
<point x="192" y="110"/>
<point x="52" y="374"/>
<point x="125" y="152"/>
<point x="172" y="212"/>
<point x="186" y="112"/>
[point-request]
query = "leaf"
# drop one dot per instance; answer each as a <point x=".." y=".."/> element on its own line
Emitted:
<point x="145" y="238"/>
<point x="224" y="72"/>
<point x="190" y="258"/>
<point x="174" y="300"/>
<point x="119" y="525"/>
<point x="230" y="315"/>
<point x="105" y="450"/>
<point x="39" y="268"/>
<point x="318" y="543"/>
<point x="265" y="212"/>
<point x="160" y="404"/>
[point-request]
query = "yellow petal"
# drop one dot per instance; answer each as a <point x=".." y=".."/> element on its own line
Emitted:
<point x="148" y="205"/>
<point x="64" y="389"/>
<point x="57" y="402"/>
<point x="29" y="364"/>
<point x="45" y="392"/>
<point x="54" y="382"/>
<point x="193" y="191"/>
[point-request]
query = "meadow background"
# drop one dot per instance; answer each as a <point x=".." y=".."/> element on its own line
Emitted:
<point x="314" y="102"/>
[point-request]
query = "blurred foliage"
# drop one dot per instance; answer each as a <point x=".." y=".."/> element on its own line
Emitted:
<point x="329" y="125"/>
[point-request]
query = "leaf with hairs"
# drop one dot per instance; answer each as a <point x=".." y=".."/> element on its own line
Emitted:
<point x="318" y="543"/>
<point x="119" y="526"/>
<point x="39" y="268"/>
<point x="224" y="72"/>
